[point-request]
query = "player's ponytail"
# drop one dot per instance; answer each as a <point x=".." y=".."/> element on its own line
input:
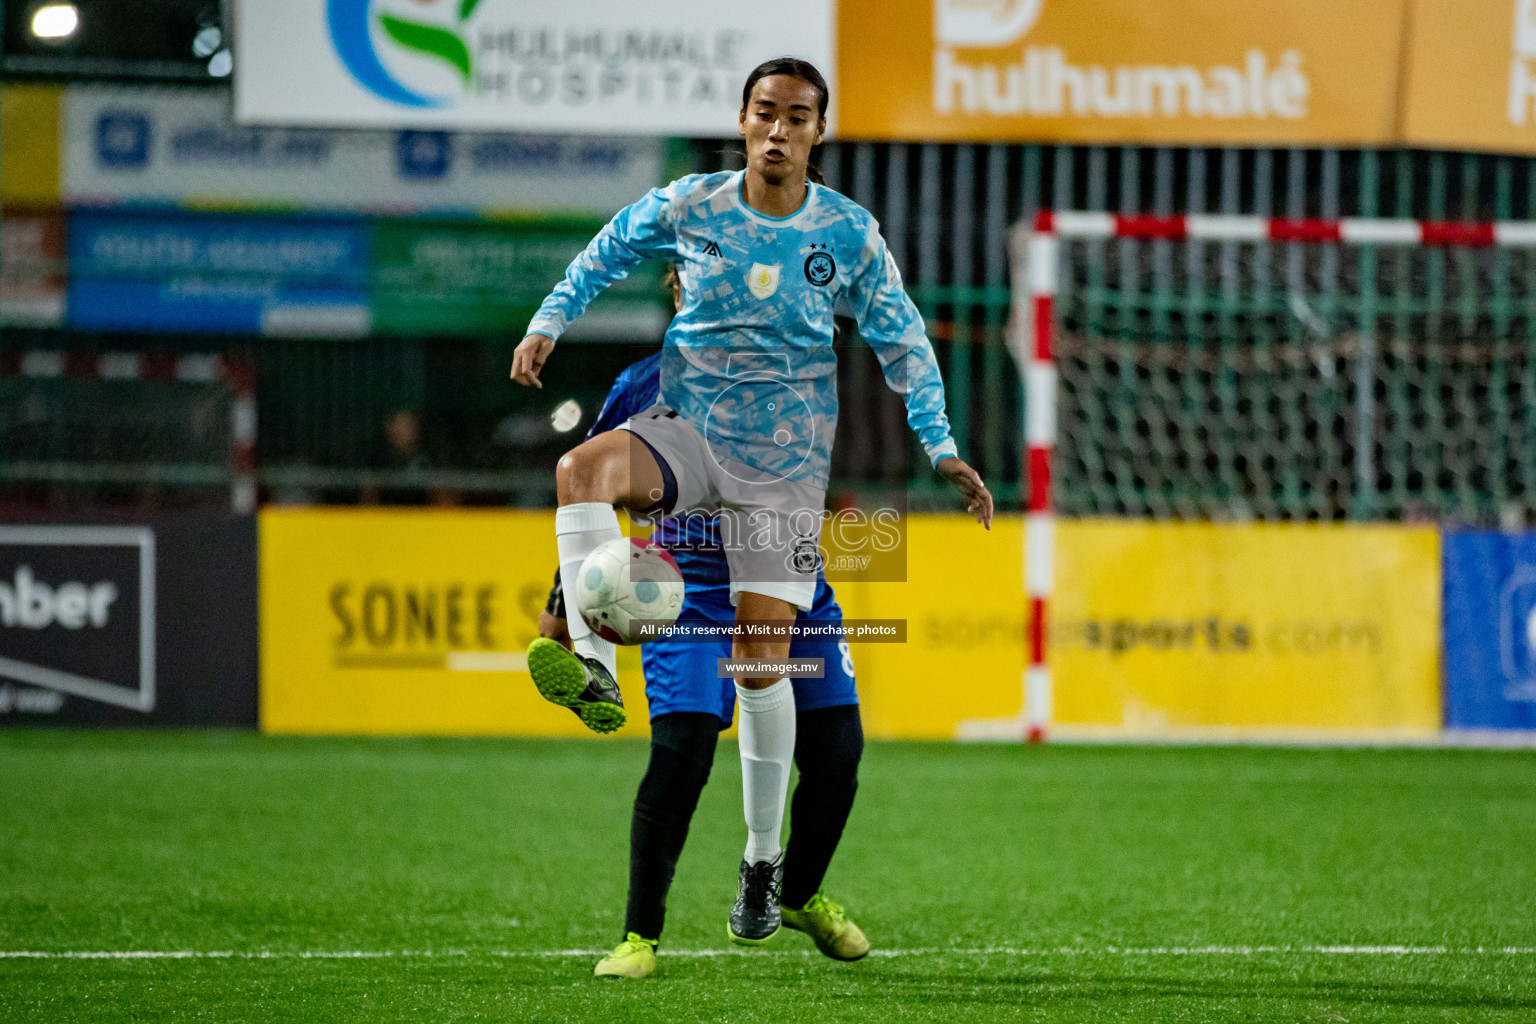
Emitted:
<point x="674" y="286"/>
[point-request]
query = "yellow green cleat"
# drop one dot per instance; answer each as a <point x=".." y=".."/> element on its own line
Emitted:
<point x="828" y="926"/>
<point x="633" y="958"/>
<point x="581" y="684"/>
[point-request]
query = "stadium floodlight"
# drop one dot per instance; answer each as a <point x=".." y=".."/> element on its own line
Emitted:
<point x="221" y="64"/>
<point x="54" y="22"/>
<point x="207" y="41"/>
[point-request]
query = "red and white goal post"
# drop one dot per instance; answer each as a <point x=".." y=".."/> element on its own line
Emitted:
<point x="1036" y="270"/>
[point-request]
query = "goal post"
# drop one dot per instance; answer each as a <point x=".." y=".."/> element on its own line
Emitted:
<point x="1258" y="368"/>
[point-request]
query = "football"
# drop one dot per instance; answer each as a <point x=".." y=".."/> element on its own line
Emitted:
<point x="625" y="582"/>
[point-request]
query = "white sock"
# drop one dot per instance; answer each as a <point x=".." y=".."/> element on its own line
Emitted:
<point x="767" y="739"/>
<point x="579" y="529"/>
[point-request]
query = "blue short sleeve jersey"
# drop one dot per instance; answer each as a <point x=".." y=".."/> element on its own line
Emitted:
<point x="756" y="317"/>
<point x="634" y="390"/>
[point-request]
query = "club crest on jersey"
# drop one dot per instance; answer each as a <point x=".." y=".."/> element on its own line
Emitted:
<point x="820" y="268"/>
<point x="804" y="556"/>
<point x="763" y="280"/>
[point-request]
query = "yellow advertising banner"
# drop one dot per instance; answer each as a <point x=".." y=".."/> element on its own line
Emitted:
<point x="1179" y="72"/>
<point x="406" y="622"/>
<point x="963" y="601"/>
<point x="1175" y="630"/>
<point x="29" y="155"/>
<point x="1471" y="79"/>
<point x="1247" y="630"/>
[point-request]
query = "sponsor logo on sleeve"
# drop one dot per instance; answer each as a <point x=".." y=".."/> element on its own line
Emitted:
<point x="804" y="556"/>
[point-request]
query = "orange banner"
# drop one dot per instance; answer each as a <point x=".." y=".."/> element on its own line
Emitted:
<point x="1471" y="80"/>
<point x="1182" y="71"/>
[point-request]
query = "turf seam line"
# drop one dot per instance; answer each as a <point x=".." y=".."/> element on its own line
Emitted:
<point x="1151" y="951"/>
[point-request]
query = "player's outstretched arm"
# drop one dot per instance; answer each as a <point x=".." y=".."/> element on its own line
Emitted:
<point x="968" y="482"/>
<point x="641" y="231"/>
<point x="891" y="324"/>
<point x="529" y="358"/>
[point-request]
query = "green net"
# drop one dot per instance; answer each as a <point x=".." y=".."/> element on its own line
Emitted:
<point x="1295" y="381"/>
<point x="63" y="430"/>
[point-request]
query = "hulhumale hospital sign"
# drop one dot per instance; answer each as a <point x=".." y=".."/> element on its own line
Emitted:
<point x="664" y="67"/>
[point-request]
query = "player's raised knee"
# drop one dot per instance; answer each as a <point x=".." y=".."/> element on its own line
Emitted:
<point x="583" y="475"/>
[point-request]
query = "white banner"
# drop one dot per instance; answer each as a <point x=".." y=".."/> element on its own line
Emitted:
<point x="182" y="147"/>
<point x="650" y="67"/>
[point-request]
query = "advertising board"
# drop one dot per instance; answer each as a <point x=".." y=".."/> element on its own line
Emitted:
<point x="124" y="145"/>
<point x="1257" y="630"/>
<point x="1490" y="630"/>
<point x="128" y="622"/>
<point x="665" y="67"/>
<point x="183" y="272"/>
<point x="1186" y="71"/>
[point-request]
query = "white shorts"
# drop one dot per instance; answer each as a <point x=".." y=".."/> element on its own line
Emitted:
<point x="770" y="528"/>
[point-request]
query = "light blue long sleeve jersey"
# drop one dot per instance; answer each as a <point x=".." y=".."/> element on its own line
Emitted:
<point x="749" y="359"/>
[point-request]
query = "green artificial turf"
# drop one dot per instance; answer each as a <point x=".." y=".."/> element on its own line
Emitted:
<point x="1096" y="875"/>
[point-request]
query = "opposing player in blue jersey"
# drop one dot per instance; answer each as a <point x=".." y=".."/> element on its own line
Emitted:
<point x="746" y="413"/>
<point x="690" y="704"/>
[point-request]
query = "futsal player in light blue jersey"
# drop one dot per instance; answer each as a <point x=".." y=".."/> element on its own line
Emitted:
<point x="746" y="413"/>
<point x="690" y="704"/>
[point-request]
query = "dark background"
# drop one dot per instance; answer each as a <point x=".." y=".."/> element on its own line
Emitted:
<point x="205" y="596"/>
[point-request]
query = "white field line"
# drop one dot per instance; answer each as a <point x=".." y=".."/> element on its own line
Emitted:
<point x="983" y="951"/>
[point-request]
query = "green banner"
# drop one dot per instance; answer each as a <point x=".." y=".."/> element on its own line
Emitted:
<point x="450" y="277"/>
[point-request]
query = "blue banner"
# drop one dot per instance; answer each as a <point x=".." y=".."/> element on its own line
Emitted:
<point x="216" y="273"/>
<point x="196" y="305"/>
<point x="1490" y="630"/>
<point x="144" y="245"/>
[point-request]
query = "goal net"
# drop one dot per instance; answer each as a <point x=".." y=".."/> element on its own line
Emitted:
<point x="1237" y="369"/>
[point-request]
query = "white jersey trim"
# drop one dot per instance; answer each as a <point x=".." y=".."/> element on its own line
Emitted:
<point x="793" y="220"/>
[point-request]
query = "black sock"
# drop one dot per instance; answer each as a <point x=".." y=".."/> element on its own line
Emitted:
<point x="828" y="745"/>
<point x="682" y="752"/>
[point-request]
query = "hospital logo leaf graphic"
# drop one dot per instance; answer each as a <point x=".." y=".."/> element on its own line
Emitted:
<point x="433" y="41"/>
